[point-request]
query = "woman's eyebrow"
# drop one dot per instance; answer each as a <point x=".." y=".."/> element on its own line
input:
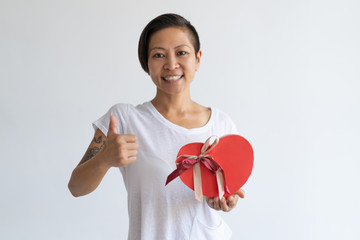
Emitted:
<point x="182" y="45"/>
<point x="154" y="48"/>
<point x="161" y="48"/>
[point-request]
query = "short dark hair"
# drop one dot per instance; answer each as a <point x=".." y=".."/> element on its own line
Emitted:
<point x="161" y="22"/>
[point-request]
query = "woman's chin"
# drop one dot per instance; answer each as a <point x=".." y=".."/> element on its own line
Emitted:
<point x="173" y="90"/>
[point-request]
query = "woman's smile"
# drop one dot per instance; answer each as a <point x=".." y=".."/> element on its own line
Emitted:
<point x="172" y="78"/>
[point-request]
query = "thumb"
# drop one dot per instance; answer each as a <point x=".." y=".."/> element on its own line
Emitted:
<point x="112" y="125"/>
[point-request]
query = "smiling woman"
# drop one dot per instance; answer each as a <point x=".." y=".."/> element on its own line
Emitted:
<point x="143" y="141"/>
<point x="172" y="61"/>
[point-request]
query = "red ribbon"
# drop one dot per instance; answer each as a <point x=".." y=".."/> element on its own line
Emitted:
<point x="192" y="161"/>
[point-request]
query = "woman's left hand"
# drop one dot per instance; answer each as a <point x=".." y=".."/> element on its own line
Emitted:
<point x="225" y="205"/>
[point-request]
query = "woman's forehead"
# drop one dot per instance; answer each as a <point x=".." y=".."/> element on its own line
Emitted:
<point x="170" y="37"/>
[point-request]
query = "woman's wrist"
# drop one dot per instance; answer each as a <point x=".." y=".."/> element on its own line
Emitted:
<point x="100" y="161"/>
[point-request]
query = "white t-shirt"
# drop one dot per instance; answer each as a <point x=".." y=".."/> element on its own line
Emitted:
<point x="157" y="211"/>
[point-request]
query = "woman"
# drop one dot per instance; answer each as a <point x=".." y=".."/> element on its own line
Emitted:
<point x="143" y="141"/>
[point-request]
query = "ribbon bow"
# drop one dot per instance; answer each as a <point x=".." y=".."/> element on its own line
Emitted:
<point x="194" y="161"/>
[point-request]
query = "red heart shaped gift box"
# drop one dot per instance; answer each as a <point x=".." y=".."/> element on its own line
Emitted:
<point x="232" y="153"/>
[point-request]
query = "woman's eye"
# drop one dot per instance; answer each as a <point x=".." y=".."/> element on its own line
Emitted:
<point x="158" y="55"/>
<point x="182" y="53"/>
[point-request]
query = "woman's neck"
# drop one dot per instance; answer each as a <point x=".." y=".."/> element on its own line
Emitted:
<point x="181" y="110"/>
<point x="174" y="103"/>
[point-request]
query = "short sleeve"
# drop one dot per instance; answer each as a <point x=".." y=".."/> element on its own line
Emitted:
<point x="120" y="111"/>
<point x="232" y="127"/>
<point x="225" y="123"/>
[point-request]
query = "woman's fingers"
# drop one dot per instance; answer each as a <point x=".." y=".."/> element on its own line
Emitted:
<point x="217" y="203"/>
<point x="132" y="145"/>
<point x="132" y="153"/>
<point x="225" y="205"/>
<point x="210" y="202"/>
<point x="130" y="138"/>
<point x="241" y="193"/>
<point x="214" y="203"/>
<point x="232" y="200"/>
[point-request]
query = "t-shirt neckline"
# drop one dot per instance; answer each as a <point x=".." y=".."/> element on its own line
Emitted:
<point x="176" y="127"/>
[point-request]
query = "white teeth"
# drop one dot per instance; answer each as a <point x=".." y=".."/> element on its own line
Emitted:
<point x="172" y="78"/>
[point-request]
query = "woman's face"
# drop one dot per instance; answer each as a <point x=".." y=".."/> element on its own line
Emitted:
<point x="172" y="62"/>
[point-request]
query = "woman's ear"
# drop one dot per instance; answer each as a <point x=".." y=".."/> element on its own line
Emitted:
<point x="198" y="58"/>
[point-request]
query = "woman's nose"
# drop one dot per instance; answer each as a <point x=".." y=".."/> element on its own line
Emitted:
<point x="171" y="63"/>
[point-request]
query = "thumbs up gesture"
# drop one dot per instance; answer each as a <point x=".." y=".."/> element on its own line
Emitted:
<point x="119" y="149"/>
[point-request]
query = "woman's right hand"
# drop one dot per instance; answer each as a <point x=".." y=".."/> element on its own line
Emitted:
<point x="120" y="149"/>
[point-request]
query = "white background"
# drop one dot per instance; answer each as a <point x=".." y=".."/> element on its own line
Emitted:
<point x="287" y="72"/>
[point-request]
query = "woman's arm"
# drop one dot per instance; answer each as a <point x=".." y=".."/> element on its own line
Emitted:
<point x="91" y="169"/>
<point x="115" y="150"/>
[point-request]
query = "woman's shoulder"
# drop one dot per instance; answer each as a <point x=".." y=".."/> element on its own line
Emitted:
<point x="121" y="107"/>
<point x="223" y="119"/>
<point x="130" y="109"/>
<point x="219" y="114"/>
